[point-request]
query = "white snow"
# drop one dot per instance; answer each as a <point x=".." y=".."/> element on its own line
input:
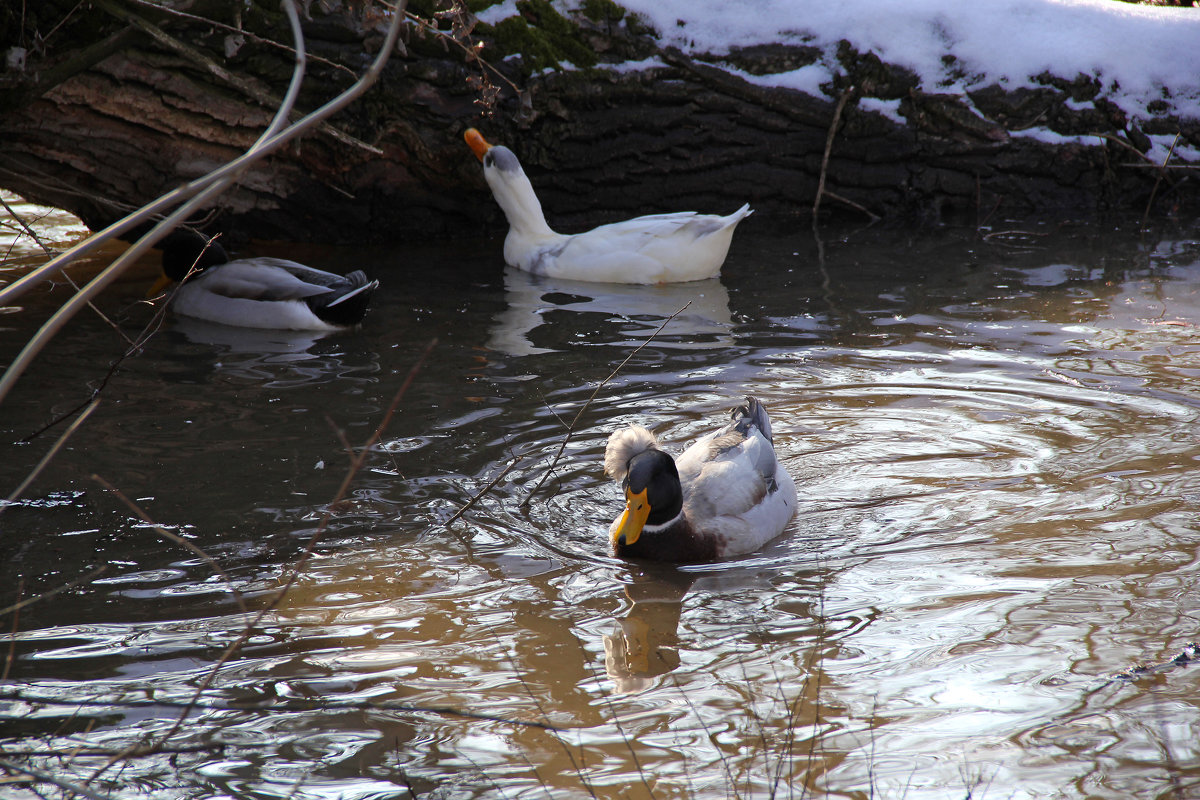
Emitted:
<point x="1139" y="53"/>
<point x="889" y="108"/>
<point x="1050" y="137"/>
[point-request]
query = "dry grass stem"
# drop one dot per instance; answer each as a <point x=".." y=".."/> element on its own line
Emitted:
<point x="575" y="421"/>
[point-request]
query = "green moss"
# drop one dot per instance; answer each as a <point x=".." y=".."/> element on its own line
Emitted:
<point x="602" y="11"/>
<point x="543" y="37"/>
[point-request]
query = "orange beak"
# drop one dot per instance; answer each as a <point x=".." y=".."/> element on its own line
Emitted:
<point x="477" y="143"/>
<point x="632" y="519"/>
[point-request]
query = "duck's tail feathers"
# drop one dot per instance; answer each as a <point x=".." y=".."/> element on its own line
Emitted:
<point x="752" y="413"/>
<point x="366" y="287"/>
<point x="346" y="307"/>
<point x="622" y="446"/>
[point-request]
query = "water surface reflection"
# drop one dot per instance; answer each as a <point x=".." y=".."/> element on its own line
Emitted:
<point x="995" y="444"/>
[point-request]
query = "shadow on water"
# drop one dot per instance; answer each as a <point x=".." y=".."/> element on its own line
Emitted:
<point x="994" y="438"/>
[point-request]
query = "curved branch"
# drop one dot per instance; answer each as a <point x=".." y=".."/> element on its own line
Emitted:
<point x="200" y="190"/>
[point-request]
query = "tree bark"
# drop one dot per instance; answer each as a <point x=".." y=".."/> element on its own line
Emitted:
<point x="125" y="101"/>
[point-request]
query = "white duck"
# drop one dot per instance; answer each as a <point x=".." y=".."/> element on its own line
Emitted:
<point x="725" y="496"/>
<point x="259" y="292"/>
<point x="660" y="248"/>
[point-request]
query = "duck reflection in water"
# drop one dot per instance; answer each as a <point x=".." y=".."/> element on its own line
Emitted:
<point x="645" y="644"/>
<point x="705" y="324"/>
<point x="272" y="357"/>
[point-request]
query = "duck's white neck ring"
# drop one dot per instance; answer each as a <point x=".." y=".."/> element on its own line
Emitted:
<point x="662" y="527"/>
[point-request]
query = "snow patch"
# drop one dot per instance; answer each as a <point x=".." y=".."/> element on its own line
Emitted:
<point x="889" y="108"/>
<point x="1139" y="53"/>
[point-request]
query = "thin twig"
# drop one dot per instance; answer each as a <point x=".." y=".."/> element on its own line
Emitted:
<point x="47" y="777"/>
<point x="165" y="9"/>
<point x="11" y="655"/>
<point x="1158" y="181"/>
<point x="50" y="454"/>
<point x="1162" y="167"/>
<point x="491" y="484"/>
<point x="135" y="346"/>
<point x="357" y="462"/>
<point x="30" y="232"/>
<point x="847" y="201"/>
<point x="616" y="720"/>
<point x="472" y="55"/>
<point x="730" y="780"/>
<point x="174" y="537"/>
<point x="97" y="572"/>
<point x="571" y="428"/>
<point x="100" y="751"/>
<point x="298" y="567"/>
<point x="1127" y="145"/>
<point x="99" y="313"/>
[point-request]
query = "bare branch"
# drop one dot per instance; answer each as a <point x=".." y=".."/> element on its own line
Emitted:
<point x="833" y="125"/>
<point x="470" y="503"/>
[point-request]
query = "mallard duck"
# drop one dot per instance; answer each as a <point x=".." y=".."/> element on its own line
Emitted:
<point x="661" y="248"/>
<point x="725" y="496"/>
<point x="259" y="292"/>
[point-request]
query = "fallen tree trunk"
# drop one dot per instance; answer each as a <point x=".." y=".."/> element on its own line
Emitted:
<point x="128" y="100"/>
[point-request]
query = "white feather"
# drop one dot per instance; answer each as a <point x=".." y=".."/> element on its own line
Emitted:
<point x="622" y="446"/>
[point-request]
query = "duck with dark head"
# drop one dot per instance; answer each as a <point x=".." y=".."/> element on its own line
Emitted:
<point x="726" y="495"/>
<point x="259" y="292"/>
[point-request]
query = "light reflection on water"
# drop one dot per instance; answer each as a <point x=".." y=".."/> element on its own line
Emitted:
<point x="996" y="452"/>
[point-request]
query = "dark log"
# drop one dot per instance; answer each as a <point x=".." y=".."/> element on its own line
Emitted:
<point x="122" y="101"/>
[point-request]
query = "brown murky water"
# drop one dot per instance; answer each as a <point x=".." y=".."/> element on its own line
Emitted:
<point x="995" y="439"/>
